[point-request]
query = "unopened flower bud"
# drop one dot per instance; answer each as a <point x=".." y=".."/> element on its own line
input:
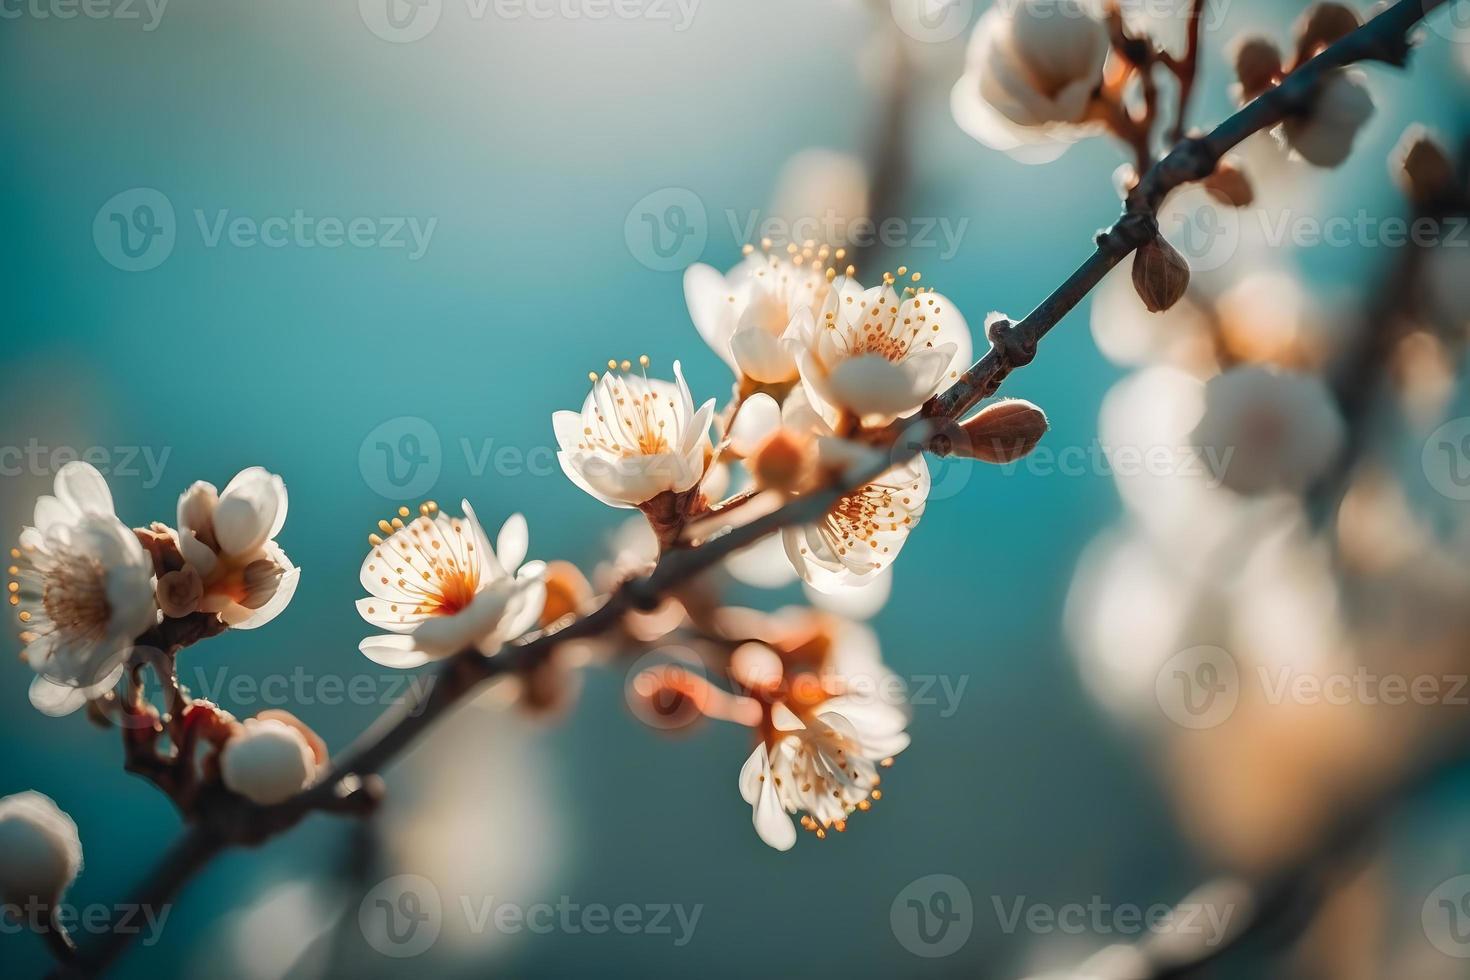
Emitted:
<point x="41" y="850"/>
<point x="1257" y="66"/>
<point x="179" y="592"/>
<point x="1003" y="432"/>
<point x="1423" y="167"/>
<point x="567" y="590"/>
<point x="1160" y="274"/>
<point x="1229" y="185"/>
<point x="1321" y="25"/>
<point x="783" y="462"/>
<point x="268" y="762"/>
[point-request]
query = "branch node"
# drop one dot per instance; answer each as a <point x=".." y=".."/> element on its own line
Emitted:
<point x="1012" y="342"/>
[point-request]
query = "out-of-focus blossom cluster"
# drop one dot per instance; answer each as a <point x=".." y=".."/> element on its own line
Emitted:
<point x="1266" y="579"/>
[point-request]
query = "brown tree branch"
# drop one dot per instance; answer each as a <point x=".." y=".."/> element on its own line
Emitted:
<point x="226" y="819"/>
<point x="1384" y="38"/>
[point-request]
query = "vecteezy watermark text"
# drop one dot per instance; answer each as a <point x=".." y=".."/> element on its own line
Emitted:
<point x="403" y="916"/>
<point x="145" y="921"/>
<point x="124" y="462"/>
<point x="137" y="229"/>
<point x="150" y="12"/>
<point x="1099" y="917"/>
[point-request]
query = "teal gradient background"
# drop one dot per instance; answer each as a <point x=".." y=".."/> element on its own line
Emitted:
<point x="528" y="142"/>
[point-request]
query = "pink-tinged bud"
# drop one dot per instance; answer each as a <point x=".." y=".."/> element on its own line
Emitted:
<point x="1229" y="185"/>
<point x="1160" y="274"/>
<point x="1423" y="168"/>
<point x="783" y="462"/>
<point x="1257" y="66"/>
<point x="1322" y="25"/>
<point x="42" y="852"/>
<point x="1003" y="432"/>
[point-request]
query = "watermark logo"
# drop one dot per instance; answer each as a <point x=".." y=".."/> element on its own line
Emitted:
<point x="402" y="916"/>
<point x="1206" y="234"/>
<point x="1446" y="459"/>
<point x="932" y="21"/>
<point x="1199" y="687"/>
<point x="663" y="688"/>
<point x="400" y="21"/>
<point x="933" y="916"/>
<point x="1446" y="917"/>
<point x="135" y="230"/>
<point x="666" y="231"/>
<point x="401" y="458"/>
<point x="1452" y="23"/>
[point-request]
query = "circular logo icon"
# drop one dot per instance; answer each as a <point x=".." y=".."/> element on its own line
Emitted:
<point x="932" y="21"/>
<point x="1453" y="23"/>
<point x="401" y="916"/>
<point x="135" y="230"/>
<point x="401" y="458"/>
<point x="1206" y="232"/>
<point x="933" y="916"/>
<point x="1198" y="687"/>
<point x="663" y="688"/>
<point x="400" y="21"/>
<point x="666" y="231"/>
<point x="1446" y="917"/>
<point x="1446" y="459"/>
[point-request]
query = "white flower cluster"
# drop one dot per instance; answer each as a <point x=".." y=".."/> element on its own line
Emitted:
<point x="86" y="588"/>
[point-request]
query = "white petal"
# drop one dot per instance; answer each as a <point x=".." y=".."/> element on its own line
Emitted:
<point x="708" y="296"/>
<point x="873" y="385"/>
<point x="571" y="465"/>
<point x="83" y="489"/>
<point x="757" y="419"/>
<point x="513" y="542"/>
<point x="393" y="651"/>
<point x="762" y="356"/>
<point x="245" y="515"/>
<point x="53" y="699"/>
<point x="860" y="600"/>
<point x="275" y="605"/>
<point x="756" y="765"/>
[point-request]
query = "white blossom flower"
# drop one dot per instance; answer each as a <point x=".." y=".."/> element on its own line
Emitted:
<point x="1324" y="135"/>
<point x="43" y="853"/>
<point x="268" y="761"/>
<point x="1271" y="430"/>
<point x="439" y="587"/>
<point x="862" y="534"/>
<point x="83" y="588"/>
<point x="744" y="315"/>
<point x="1032" y="70"/>
<point x="822" y="764"/>
<point x="635" y="437"/>
<point x="875" y="354"/>
<point x="821" y="750"/>
<point x="229" y="539"/>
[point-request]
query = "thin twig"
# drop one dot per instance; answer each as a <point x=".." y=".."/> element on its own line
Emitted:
<point x="1185" y="70"/>
<point x="1013" y="345"/>
<point x="1384" y="38"/>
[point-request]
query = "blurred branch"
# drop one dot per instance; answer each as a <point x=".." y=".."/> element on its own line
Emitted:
<point x="1276" y="909"/>
<point x="1185" y="70"/>
<point x="223" y="819"/>
<point x="888" y="156"/>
